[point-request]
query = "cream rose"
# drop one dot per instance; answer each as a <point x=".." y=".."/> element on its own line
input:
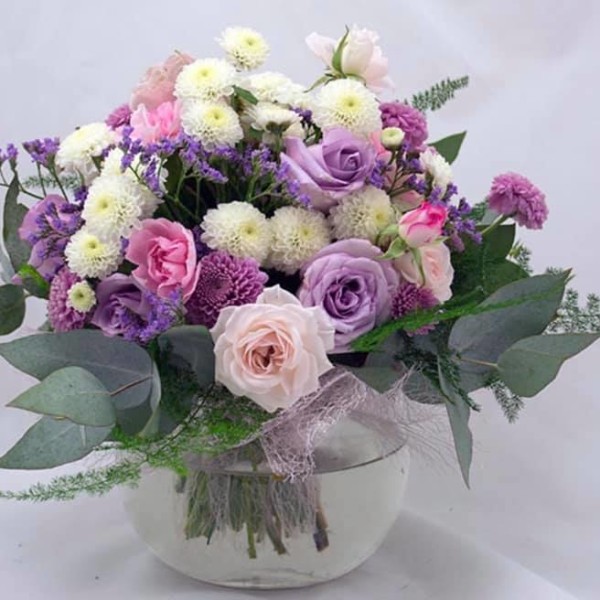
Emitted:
<point x="435" y="273"/>
<point x="273" y="351"/>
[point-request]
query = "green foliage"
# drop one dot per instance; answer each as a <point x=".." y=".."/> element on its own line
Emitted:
<point x="436" y="96"/>
<point x="449" y="147"/>
<point x="14" y="213"/>
<point x="522" y="256"/>
<point x="572" y="318"/>
<point x="68" y="182"/>
<point x="510" y="403"/>
<point x="244" y="94"/>
<point x="12" y="308"/>
<point x="33" y="282"/>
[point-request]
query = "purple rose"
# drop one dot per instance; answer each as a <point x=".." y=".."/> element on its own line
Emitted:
<point x="47" y="227"/>
<point x="354" y="286"/>
<point x="121" y="305"/>
<point x="328" y="171"/>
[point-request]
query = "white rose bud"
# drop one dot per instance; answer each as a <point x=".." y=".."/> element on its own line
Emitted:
<point x="392" y="138"/>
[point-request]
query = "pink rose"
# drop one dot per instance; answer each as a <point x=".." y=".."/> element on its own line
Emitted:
<point x="435" y="273"/>
<point x="158" y="82"/>
<point x="166" y="257"/>
<point x="422" y="225"/>
<point x="274" y="351"/>
<point x="408" y="199"/>
<point x="153" y="125"/>
<point x="361" y="56"/>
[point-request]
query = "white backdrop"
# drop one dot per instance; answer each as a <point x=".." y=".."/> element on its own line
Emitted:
<point x="532" y="107"/>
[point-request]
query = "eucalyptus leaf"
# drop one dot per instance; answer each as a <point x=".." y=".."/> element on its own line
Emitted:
<point x="70" y="393"/>
<point x="12" y="308"/>
<point x="53" y="442"/>
<point x="449" y="147"/>
<point x="123" y="367"/>
<point x="14" y="213"/>
<point x="529" y="365"/>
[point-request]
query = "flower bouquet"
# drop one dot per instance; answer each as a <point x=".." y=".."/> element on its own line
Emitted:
<point x="252" y="287"/>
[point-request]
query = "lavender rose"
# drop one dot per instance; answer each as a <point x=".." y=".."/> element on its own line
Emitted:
<point x="328" y="171"/>
<point x="353" y="285"/>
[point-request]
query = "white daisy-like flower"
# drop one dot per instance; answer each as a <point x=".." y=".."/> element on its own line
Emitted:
<point x="392" y="138"/>
<point x="238" y="228"/>
<point x="437" y="166"/>
<point x="89" y="256"/>
<point x="298" y="234"/>
<point x="347" y="103"/>
<point x="214" y="124"/>
<point x="207" y="79"/>
<point x="245" y="48"/>
<point x="267" y="116"/>
<point x="81" y="297"/>
<point x="77" y="150"/>
<point x="112" y="206"/>
<point x="275" y="87"/>
<point x="363" y="214"/>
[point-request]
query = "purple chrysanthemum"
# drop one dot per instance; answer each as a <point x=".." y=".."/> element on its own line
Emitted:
<point x="410" y="298"/>
<point x="63" y="317"/>
<point x="224" y="281"/>
<point x="119" y="117"/>
<point x="515" y="196"/>
<point x="407" y="118"/>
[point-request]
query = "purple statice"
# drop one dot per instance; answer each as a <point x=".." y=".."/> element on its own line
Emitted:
<point x="80" y="195"/>
<point x="513" y="195"/>
<point x="10" y="154"/>
<point x="377" y="177"/>
<point x="61" y="315"/>
<point x="119" y="117"/>
<point x="409" y="119"/>
<point x="164" y="312"/>
<point x="460" y="223"/>
<point x="42" y="151"/>
<point x="408" y="299"/>
<point x="224" y="281"/>
<point x="201" y="248"/>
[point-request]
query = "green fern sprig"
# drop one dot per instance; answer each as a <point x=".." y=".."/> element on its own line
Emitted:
<point x="440" y="93"/>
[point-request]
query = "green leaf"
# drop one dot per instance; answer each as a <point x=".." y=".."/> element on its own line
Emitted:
<point x="33" y="282"/>
<point x="528" y="366"/>
<point x="53" y="442"/>
<point x="482" y="338"/>
<point x="194" y="345"/>
<point x="14" y="213"/>
<point x="336" y="59"/>
<point x="396" y="248"/>
<point x="12" y="308"/>
<point x="459" y="413"/>
<point x="449" y="147"/>
<point x="245" y="95"/>
<point x="502" y="273"/>
<point x="70" y="393"/>
<point x="123" y="367"/>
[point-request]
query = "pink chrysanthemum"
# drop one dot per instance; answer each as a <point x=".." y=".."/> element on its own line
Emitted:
<point x="410" y="298"/>
<point x="224" y="280"/>
<point x="63" y="317"/>
<point x="407" y="118"/>
<point x="515" y="196"/>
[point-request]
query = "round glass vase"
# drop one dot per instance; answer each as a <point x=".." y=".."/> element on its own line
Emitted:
<point x="243" y="526"/>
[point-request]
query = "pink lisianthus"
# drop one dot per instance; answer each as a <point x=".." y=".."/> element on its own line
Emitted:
<point x="165" y="253"/>
<point x="422" y="225"/>
<point x="153" y="125"/>
<point x="273" y="351"/>
<point x="158" y="82"/>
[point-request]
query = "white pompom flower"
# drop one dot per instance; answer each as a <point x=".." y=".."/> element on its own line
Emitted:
<point x="207" y="79"/>
<point x="77" y="151"/>
<point x="275" y="87"/>
<point x="245" y="48"/>
<point x="347" y="103"/>
<point x="363" y="214"/>
<point x="112" y="207"/>
<point x="298" y="234"/>
<point x="238" y="228"/>
<point x="267" y="116"/>
<point x="213" y="124"/>
<point x="89" y="256"/>
<point x="438" y="167"/>
<point x="81" y="297"/>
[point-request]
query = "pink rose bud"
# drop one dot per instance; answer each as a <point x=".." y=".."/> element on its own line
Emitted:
<point x="422" y="225"/>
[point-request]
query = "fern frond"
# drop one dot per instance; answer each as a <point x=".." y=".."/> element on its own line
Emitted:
<point x="440" y="93"/>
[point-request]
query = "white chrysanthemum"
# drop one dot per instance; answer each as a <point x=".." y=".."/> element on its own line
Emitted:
<point x="266" y="116"/>
<point x="438" y="167"/>
<point x="246" y="49"/>
<point x="147" y="200"/>
<point x="77" y="150"/>
<point x="112" y="206"/>
<point x="81" y="297"/>
<point x="207" y="79"/>
<point x="362" y="214"/>
<point x="298" y="234"/>
<point x="89" y="256"/>
<point x="347" y="103"/>
<point x="213" y="124"/>
<point x="392" y="138"/>
<point x="238" y="228"/>
<point x="275" y="87"/>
